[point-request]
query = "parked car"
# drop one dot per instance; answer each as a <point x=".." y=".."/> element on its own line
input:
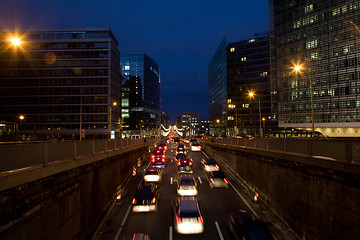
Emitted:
<point x="187" y="216"/>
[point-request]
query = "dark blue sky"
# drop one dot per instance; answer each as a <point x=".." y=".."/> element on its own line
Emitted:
<point x="181" y="36"/>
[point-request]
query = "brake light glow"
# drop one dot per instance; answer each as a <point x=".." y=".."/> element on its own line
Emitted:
<point x="200" y="219"/>
<point x="217" y="166"/>
<point x="134" y="201"/>
<point x="152" y="156"/>
<point x="212" y="180"/>
<point x="163" y="160"/>
<point x="178" y="219"/>
<point x="226" y="181"/>
<point x="190" y="163"/>
<point x="153" y="200"/>
<point x="163" y="156"/>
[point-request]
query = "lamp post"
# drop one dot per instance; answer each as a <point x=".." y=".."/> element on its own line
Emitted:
<point x="299" y="69"/>
<point x="233" y="106"/>
<point x="112" y="105"/>
<point x="252" y="95"/>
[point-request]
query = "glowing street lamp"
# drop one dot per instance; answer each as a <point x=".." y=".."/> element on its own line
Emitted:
<point x="233" y="106"/>
<point x="15" y="41"/>
<point x="21" y="117"/>
<point x="114" y="104"/>
<point x="252" y="95"/>
<point x="299" y="69"/>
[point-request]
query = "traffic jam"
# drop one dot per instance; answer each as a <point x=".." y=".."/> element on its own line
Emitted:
<point x="178" y="171"/>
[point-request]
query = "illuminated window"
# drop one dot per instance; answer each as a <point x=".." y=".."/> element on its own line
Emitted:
<point x="230" y="118"/>
<point x="127" y="67"/>
<point x="243" y="59"/>
<point x="252" y="40"/>
<point x="311" y="44"/>
<point x="264" y="74"/>
<point x="245" y="105"/>
<point x="232" y="49"/>
<point x="309" y="8"/>
<point x="229" y="101"/>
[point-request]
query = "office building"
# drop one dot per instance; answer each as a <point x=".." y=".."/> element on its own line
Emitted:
<point x="62" y="82"/>
<point x="235" y="70"/>
<point x="248" y="70"/>
<point x="189" y="123"/>
<point x="142" y="76"/>
<point x="323" y="37"/>
<point x="218" y="88"/>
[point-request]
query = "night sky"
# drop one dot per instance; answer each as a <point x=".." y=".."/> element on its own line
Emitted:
<point x="181" y="36"/>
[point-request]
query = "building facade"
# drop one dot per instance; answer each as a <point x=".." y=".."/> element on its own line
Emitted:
<point x="235" y="70"/>
<point x="62" y="82"/>
<point x="323" y="37"/>
<point x="248" y="70"/>
<point x="218" y="88"/>
<point x="142" y="76"/>
<point x="189" y="123"/>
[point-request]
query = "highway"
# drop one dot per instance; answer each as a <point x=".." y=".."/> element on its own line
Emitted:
<point x="215" y="204"/>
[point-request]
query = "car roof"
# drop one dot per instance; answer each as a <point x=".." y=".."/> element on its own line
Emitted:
<point x="217" y="174"/>
<point x="188" y="204"/>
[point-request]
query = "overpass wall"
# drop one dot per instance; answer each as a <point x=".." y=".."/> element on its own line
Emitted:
<point x="63" y="200"/>
<point x="318" y="198"/>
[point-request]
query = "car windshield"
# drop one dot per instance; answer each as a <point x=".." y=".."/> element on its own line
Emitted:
<point x="152" y="172"/>
<point x="144" y="192"/>
<point x="195" y="144"/>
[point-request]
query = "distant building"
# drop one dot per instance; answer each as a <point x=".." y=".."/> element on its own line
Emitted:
<point x="323" y="36"/>
<point x="235" y="70"/>
<point x="142" y="77"/>
<point x="203" y="128"/>
<point x="62" y="82"/>
<point x="189" y="123"/>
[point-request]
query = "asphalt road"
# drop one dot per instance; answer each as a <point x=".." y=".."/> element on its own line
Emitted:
<point x="215" y="205"/>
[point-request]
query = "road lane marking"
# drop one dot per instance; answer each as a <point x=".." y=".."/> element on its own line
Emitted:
<point x="200" y="180"/>
<point x="219" y="231"/>
<point x="170" y="233"/>
<point x="122" y="224"/>
<point x="171" y="180"/>
<point x="204" y="154"/>
<point x="251" y="209"/>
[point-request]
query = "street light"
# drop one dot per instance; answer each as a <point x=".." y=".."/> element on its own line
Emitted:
<point x="233" y="106"/>
<point x="252" y="95"/>
<point x="112" y="105"/>
<point x="299" y="69"/>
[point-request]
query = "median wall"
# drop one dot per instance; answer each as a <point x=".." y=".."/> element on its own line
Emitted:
<point x="319" y="198"/>
<point x="63" y="200"/>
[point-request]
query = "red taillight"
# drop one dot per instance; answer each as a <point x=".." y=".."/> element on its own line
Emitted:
<point x="190" y="163"/>
<point x="178" y="219"/>
<point x="217" y="166"/>
<point x="152" y="156"/>
<point x="163" y="160"/>
<point x="163" y="156"/>
<point x="153" y="200"/>
<point x="212" y="180"/>
<point x="226" y="181"/>
<point x="179" y="163"/>
<point x="153" y="160"/>
<point x="158" y="151"/>
<point x="134" y="201"/>
<point x="200" y="219"/>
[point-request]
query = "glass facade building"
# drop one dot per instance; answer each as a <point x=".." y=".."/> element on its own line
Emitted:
<point x="142" y="76"/>
<point x="62" y="81"/>
<point x="324" y="37"/>
<point x="217" y="88"/>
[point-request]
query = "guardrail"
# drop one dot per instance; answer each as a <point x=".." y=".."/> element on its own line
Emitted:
<point x="336" y="150"/>
<point x="19" y="156"/>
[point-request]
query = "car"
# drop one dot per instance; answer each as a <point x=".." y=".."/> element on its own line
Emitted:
<point x="146" y="198"/>
<point x="152" y="174"/>
<point x="244" y="227"/>
<point x="187" y="186"/>
<point x="162" y="146"/>
<point x="217" y="179"/>
<point x="180" y="148"/>
<point x="159" y="151"/>
<point x="210" y="164"/>
<point x="158" y="161"/>
<point x="195" y="147"/>
<point x="187" y="216"/>
<point x="179" y="156"/>
<point x="193" y="140"/>
<point x="184" y="165"/>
